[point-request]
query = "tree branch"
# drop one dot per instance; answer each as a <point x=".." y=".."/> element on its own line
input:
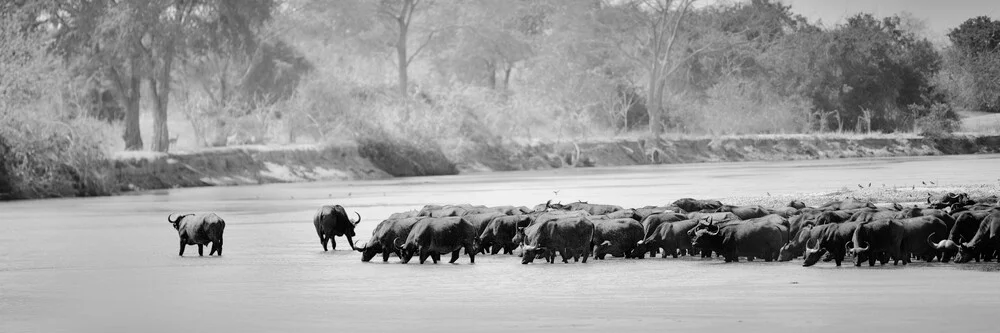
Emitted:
<point x="421" y="47"/>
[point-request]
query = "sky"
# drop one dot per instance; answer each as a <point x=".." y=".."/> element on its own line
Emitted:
<point x="939" y="15"/>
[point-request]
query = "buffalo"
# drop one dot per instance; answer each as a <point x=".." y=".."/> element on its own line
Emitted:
<point x="571" y="237"/>
<point x="917" y="231"/>
<point x="499" y="233"/>
<point x="672" y="237"/>
<point x="384" y="236"/>
<point x="829" y="238"/>
<point x="332" y="221"/>
<point x="434" y="236"/>
<point x="745" y="212"/>
<point x="739" y="238"/>
<point x="199" y="229"/>
<point x="650" y="223"/>
<point x="882" y="238"/>
<point x="695" y="205"/>
<point x="986" y="241"/>
<point x="847" y="204"/>
<point x="480" y="222"/>
<point x="617" y="237"/>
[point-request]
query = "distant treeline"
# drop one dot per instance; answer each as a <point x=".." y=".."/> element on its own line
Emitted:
<point x="462" y="76"/>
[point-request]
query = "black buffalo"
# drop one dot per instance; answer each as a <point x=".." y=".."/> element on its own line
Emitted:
<point x="571" y="237"/>
<point x="650" y="223"/>
<point x="745" y="212"/>
<point x="797" y="244"/>
<point x="695" y="205"/>
<point x="480" y="222"/>
<point x="434" y="236"/>
<point x="671" y="237"/>
<point x="986" y="241"/>
<point x="739" y="238"/>
<point x="829" y="238"/>
<point x="384" y="236"/>
<point x="332" y="221"/>
<point x="199" y="229"/>
<point x="966" y="225"/>
<point x="878" y="239"/>
<point x="847" y="204"/>
<point x="617" y="237"/>
<point x="918" y="230"/>
<point x="500" y="232"/>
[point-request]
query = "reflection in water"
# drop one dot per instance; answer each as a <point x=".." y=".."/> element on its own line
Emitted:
<point x="110" y="264"/>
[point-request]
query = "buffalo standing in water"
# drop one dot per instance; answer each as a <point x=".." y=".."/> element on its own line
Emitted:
<point x="199" y="229"/>
<point x="332" y="221"/>
<point x="432" y="237"/>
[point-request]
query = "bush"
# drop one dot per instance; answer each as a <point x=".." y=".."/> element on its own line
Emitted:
<point x="48" y="148"/>
<point x="744" y="107"/>
<point x="937" y="120"/>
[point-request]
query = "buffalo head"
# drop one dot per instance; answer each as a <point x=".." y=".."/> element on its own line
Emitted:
<point x="530" y="252"/>
<point x="176" y="222"/>
<point x="813" y="254"/>
<point x="404" y="250"/>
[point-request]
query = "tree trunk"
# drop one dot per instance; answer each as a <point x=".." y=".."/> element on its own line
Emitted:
<point x="654" y="105"/>
<point x="491" y="74"/>
<point x="401" y="56"/>
<point x="130" y="93"/>
<point x="506" y="77"/>
<point x="160" y="84"/>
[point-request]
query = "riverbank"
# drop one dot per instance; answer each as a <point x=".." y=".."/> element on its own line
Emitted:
<point x="253" y="165"/>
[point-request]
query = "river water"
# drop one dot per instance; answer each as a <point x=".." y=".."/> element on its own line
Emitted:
<point x="110" y="264"/>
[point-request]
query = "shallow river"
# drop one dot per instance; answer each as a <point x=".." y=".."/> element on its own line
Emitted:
<point x="111" y="264"/>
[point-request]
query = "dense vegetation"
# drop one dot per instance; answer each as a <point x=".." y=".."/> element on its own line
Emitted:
<point x="458" y="76"/>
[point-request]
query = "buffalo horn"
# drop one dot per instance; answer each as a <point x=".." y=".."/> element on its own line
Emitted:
<point x="849" y="246"/>
<point x="397" y="243"/>
<point x="171" y="220"/>
<point x="359" y="218"/>
<point x="932" y="243"/>
<point x="865" y="248"/>
<point x="809" y="249"/>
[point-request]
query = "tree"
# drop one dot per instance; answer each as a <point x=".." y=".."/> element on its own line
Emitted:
<point x="973" y="63"/>
<point x="383" y="26"/>
<point x="147" y="37"/>
<point x="656" y="38"/>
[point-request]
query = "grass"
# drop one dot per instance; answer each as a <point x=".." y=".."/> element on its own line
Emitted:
<point x="988" y="123"/>
<point x="907" y="196"/>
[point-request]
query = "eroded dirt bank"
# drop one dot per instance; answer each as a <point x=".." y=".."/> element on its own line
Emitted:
<point x="641" y="152"/>
<point x="261" y="165"/>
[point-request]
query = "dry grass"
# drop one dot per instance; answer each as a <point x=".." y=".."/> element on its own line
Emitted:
<point x="880" y="195"/>
<point x="987" y="123"/>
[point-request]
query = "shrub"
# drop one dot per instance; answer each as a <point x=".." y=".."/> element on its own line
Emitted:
<point x="48" y="148"/>
<point x="744" y="107"/>
<point x="937" y="120"/>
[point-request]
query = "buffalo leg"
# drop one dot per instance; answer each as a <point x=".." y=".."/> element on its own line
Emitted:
<point x="472" y="258"/>
<point x="201" y="250"/>
<point x="436" y="257"/>
<point x="871" y="260"/>
<point x="322" y="240"/>
<point x="675" y="253"/>
<point x="423" y="257"/>
<point x="385" y="255"/>
<point x="182" y="248"/>
<point x="454" y="255"/>
<point x="333" y="243"/>
<point x="211" y="250"/>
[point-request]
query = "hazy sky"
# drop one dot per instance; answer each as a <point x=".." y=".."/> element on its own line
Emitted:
<point x="940" y="15"/>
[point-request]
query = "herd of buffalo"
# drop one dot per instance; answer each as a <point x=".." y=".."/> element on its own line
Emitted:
<point x="953" y="227"/>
